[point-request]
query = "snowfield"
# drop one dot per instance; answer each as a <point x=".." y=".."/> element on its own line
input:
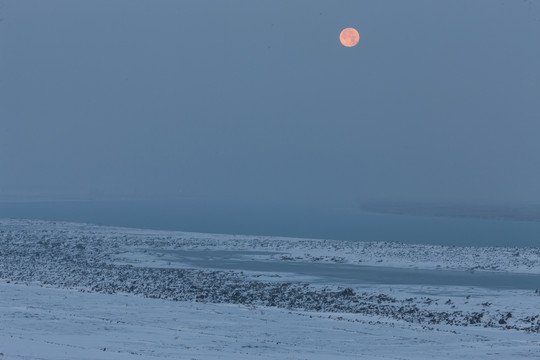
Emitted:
<point x="79" y="291"/>
<point x="48" y="323"/>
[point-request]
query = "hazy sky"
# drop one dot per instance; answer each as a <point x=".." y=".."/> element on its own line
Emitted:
<point x="257" y="100"/>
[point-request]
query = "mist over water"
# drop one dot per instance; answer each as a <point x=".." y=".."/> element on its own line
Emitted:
<point x="314" y="221"/>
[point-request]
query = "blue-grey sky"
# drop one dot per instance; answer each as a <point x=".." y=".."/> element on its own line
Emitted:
<point x="258" y="101"/>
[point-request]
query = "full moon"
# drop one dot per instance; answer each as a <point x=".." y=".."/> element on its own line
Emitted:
<point x="349" y="37"/>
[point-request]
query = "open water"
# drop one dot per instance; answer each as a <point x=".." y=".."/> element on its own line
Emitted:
<point x="280" y="220"/>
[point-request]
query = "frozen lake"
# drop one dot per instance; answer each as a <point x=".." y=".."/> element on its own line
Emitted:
<point x="322" y="222"/>
<point x="348" y="274"/>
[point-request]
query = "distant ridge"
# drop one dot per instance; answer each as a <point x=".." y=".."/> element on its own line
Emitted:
<point x="516" y="212"/>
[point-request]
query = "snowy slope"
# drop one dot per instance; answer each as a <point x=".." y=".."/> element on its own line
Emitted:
<point x="47" y="323"/>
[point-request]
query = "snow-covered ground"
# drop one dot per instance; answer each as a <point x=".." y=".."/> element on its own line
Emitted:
<point x="387" y="254"/>
<point x="48" y="323"/>
<point x="82" y="291"/>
